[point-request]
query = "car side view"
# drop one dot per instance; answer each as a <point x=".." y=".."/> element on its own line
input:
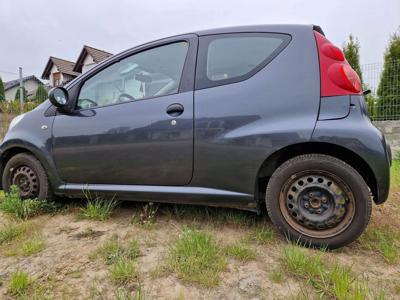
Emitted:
<point x="243" y="117"/>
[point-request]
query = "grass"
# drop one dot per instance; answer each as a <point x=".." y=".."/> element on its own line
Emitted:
<point x="24" y="209"/>
<point x="32" y="246"/>
<point x="385" y="241"/>
<point x="240" y="251"/>
<point x="123" y="271"/>
<point x="328" y="280"/>
<point x="121" y="257"/>
<point x="262" y="234"/>
<point x="11" y="232"/>
<point x="196" y="258"/>
<point x="97" y="208"/>
<point x="146" y="216"/>
<point x="19" y="283"/>
<point x="395" y="173"/>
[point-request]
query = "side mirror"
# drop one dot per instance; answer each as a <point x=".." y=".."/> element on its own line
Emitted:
<point x="58" y="96"/>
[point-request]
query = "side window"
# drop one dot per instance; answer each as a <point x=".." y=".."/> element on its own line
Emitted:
<point x="151" y="73"/>
<point x="229" y="58"/>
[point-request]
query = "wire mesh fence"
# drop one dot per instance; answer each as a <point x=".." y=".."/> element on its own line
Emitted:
<point x="384" y="82"/>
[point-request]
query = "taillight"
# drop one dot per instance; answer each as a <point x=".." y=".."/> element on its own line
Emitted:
<point x="337" y="76"/>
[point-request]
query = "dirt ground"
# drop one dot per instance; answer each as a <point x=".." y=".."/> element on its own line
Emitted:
<point x="64" y="269"/>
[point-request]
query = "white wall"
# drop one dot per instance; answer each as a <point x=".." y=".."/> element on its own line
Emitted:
<point x="54" y="69"/>
<point x="30" y="85"/>
<point x="88" y="63"/>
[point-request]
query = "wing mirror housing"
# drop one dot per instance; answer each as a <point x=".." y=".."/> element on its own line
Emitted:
<point x="58" y="96"/>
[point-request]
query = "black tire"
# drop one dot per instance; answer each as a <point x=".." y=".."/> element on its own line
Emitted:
<point x="328" y="210"/>
<point x="25" y="171"/>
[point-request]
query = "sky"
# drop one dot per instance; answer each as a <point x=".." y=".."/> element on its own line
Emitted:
<point x="31" y="31"/>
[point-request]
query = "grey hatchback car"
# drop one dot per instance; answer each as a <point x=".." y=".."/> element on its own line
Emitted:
<point x="238" y="117"/>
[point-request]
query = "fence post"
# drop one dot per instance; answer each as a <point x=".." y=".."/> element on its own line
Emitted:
<point x="21" y="90"/>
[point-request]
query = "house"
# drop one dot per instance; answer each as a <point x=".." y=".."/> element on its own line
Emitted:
<point x="31" y="84"/>
<point x="89" y="57"/>
<point x="60" y="71"/>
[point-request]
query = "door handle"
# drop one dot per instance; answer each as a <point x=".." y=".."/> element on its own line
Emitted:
<point x="175" y="110"/>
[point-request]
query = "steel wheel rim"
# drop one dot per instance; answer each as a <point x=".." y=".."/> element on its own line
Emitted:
<point x="317" y="204"/>
<point x="26" y="180"/>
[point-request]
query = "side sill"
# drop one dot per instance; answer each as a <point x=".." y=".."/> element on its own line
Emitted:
<point x="167" y="194"/>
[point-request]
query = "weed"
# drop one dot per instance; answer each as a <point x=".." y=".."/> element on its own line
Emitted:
<point x="24" y="209"/>
<point x="240" y="251"/>
<point x="97" y="208"/>
<point x="19" y="283"/>
<point x="146" y="217"/>
<point x="113" y="250"/>
<point x="195" y="257"/>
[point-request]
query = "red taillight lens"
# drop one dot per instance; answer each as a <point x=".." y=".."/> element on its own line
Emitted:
<point x="343" y="76"/>
<point x="337" y="76"/>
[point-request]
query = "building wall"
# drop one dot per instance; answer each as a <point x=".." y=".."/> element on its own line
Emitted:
<point x="53" y="70"/>
<point x="88" y="63"/>
<point x="30" y="85"/>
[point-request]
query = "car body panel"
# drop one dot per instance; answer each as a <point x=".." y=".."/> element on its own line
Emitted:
<point x="234" y="129"/>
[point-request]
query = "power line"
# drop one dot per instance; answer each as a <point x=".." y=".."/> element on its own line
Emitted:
<point x="8" y="72"/>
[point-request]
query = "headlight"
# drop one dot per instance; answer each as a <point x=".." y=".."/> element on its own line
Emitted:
<point x="15" y="121"/>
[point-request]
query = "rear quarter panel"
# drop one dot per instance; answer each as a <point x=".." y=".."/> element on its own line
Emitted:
<point x="237" y="126"/>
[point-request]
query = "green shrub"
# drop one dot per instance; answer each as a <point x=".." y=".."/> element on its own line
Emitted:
<point x="19" y="283"/>
<point x="98" y="208"/>
<point x="41" y="94"/>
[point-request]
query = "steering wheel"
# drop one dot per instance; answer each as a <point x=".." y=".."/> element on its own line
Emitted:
<point x="91" y="103"/>
<point x="124" y="95"/>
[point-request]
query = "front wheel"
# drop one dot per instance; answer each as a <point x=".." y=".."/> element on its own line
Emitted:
<point x="28" y="174"/>
<point x="318" y="200"/>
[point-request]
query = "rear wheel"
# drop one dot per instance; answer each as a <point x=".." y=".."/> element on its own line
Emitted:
<point x="318" y="200"/>
<point x="28" y="174"/>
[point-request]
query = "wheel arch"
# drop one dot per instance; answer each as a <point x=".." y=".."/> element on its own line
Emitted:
<point x="13" y="149"/>
<point x="272" y="162"/>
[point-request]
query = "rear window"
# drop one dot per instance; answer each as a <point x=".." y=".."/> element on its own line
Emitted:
<point x="237" y="56"/>
<point x="228" y="58"/>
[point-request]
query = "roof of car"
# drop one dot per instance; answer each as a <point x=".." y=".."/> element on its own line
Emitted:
<point x="284" y="28"/>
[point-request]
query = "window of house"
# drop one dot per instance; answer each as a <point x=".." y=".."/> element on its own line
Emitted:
<point x="151" y="73"/>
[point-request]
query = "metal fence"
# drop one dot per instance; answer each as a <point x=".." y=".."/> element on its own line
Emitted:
<point x="384" y="82"/>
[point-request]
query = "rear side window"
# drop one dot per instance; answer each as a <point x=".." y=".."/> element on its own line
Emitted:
<point x="229" y="58"/>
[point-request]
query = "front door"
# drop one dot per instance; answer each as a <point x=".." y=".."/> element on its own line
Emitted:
<point x="133" y="122"/>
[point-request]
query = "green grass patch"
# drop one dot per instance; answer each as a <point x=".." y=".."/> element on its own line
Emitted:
<point x="19" y="283"/>
<point x="12" y="231"/>
<point x="262" y="234"/>
<point x="385" y="241"/>
<point x="240" y="251"/>
<point x="328" y="280"/>
<point x="13" y="205"/>
<point x="97" y="208"/>
<point x="32" y="246"/>
<point x="395" y="173"/>
<point x="196" y="257"/>
<point x="123" y="271"/>
<point x="276" y="276"/>
<point x="114" y="250"/>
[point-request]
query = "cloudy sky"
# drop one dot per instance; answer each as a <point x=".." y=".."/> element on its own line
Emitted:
<point x="31" y="31"/>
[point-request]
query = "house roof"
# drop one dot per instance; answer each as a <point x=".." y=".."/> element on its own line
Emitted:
<point x="13" y="83"/>
<point x="64" y="66"/>
<point x="97" y="55"/>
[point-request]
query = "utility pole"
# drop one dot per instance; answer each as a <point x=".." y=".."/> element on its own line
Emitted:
<point x="21" y="90"/>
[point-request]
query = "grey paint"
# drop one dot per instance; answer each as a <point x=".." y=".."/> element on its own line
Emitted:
<point x="231" y="129"/>
<point x="336" y="107"/>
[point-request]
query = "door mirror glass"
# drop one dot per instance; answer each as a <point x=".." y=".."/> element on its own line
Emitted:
<point x="58" y="96"/>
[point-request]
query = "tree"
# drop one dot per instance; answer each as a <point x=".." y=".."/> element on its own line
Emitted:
<point x="25" y="94"/>
<point x="41" y="94"/>
<point x="389" y="85"/>
<point x="351" y="50"/>
<point x="2" y="94"/>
